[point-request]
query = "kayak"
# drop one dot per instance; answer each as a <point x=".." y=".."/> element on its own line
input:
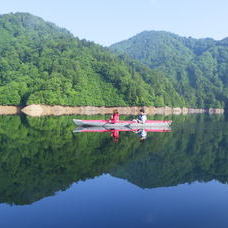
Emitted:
<point x="107" y="129"/>
<point x="123" y="123"/>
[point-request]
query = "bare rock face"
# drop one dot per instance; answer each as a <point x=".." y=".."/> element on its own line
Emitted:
<point x="216" y="111"/>
<point x="160" y="110"/>
<point x="177" y="111"/>
<point x="57" y="110"/>
<point x="184" y="110"/>
<point x="168" y="110"/>
<point x="33" y="110"/>
<point x="9" y="110"/>
<point x="196" y="110"/>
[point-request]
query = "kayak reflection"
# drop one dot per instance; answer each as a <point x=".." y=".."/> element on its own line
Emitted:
<point x="115" y="131"/>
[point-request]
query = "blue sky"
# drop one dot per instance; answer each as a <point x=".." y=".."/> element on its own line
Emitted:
<point x="110" y="21"/>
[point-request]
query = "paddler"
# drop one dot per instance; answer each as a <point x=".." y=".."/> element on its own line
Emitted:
<point x="115" y="117"/>
<point x="142" y="118"/>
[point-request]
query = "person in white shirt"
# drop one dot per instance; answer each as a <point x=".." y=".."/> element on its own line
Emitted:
<point x="142" y="118"/>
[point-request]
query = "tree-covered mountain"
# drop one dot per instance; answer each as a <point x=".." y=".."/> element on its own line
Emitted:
<point x="44" y="64"/>
<point x="198" y="68"/>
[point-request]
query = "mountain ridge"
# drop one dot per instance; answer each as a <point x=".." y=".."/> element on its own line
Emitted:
<point x="197" y="68"/>
<point x="44" y="64"/>
<point x="41" y="63"/>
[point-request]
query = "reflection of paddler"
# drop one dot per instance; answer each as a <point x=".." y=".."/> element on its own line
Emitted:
<point x="115" y="134"/>
<point x="142" y="134"/>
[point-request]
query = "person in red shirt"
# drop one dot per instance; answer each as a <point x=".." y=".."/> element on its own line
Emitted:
<point x="115" y="117"/>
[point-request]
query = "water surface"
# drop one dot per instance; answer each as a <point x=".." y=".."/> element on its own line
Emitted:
<point x="52" y="177"/>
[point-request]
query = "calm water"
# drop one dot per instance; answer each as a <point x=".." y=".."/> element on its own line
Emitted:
<point x="52" y="177"/>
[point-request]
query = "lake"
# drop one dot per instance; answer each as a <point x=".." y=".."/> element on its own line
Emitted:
<point x="52" y="177"/>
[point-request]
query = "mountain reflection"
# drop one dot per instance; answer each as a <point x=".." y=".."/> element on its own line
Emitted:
<point x="40" y="156"/>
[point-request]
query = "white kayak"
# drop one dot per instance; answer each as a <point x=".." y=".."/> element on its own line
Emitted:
<point x="116" y="128"/>
<point x="123" y="123"/>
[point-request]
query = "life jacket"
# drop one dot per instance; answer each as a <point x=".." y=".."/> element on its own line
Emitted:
<point x="140" y="117"/>
<point x="115" y="118"/>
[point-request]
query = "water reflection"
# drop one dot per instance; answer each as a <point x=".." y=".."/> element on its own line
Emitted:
<point x="141" y="132"/>
<point x="40" y="156"/>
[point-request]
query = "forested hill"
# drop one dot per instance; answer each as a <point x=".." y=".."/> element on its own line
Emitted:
<point x="43" y="64"/>
<point x="198" y="68"/>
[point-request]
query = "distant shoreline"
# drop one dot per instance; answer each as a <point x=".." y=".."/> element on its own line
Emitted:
<point x="58" y="110"/>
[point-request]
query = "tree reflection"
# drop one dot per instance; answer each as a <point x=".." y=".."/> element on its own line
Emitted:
<point x="40" y="156"/>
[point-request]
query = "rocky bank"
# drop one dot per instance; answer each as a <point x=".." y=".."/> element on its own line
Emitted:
<point x="10" y="110"/>
<point x="57" y="110"/>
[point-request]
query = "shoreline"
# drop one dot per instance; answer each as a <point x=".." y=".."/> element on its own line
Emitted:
<point x="59" y="110"/>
